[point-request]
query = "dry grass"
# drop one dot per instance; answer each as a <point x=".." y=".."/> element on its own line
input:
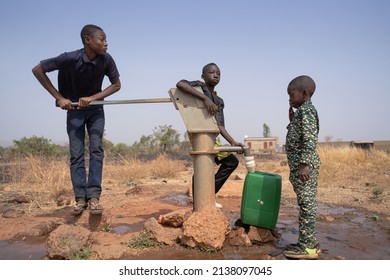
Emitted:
<point x="46" y="178"/>
<point x="348" y="176"/>
<point x="346" y="166"/>
<point x="355" y="177"/>
<point x="127" y="170"/>
<point x="345" y="171"/>
<point x="37" y="175"/>
<point x="341" y="166"/>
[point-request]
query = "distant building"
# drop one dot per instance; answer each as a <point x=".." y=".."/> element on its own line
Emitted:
<point x="259" y="145"/>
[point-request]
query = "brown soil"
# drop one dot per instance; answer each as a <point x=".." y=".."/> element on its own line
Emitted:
<point x="350" y="224"/>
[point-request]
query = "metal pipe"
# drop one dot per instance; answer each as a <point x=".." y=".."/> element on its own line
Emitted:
<point x="203" y="159"/>
<point x="247" y="151"/>
<point x="131" y="101"/>
<point x="230" y="148"/>
<point x="249" y="159"/>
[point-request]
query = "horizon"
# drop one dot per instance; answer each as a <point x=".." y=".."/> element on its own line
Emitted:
<point x="6" y="143"/>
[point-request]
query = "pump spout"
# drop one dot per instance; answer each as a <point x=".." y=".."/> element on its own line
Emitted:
<point x="247" y="151"/>
<point x="249" y="159"/>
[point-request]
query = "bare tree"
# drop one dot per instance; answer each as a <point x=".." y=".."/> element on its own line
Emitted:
<point x="266" y="131"/>
<point x="328" y="138"/>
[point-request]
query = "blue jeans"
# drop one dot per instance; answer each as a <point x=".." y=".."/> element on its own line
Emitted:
<point x="78" y="121"/>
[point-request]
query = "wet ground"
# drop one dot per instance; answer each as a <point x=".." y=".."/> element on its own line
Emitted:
<point x="344" y="233"/>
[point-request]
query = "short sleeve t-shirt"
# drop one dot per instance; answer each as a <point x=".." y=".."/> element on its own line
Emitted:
<point x="219" y="116"/>
<point x="78" y="76"/>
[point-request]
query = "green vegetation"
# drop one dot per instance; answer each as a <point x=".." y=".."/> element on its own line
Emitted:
<point x="164" y="139"/>
<point x="76" y="253"/>
<point x="37" y="146"/>
<point x="377" y="191"/>
<point x="81" y="254"/>
<point x="107" y="228"/>
<point x="207" y="249"/>
<point x="142" y="241"/>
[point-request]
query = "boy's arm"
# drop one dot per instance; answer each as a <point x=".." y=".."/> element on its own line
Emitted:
<point x="290" y="113"/>
<point x="186" y="87"/>
<point x="229" y="138"/>
<point x="114" y="87"/>
<point x="44" y="80"/>
<point x="303" y="172"/>
<point x="310" y="137"/>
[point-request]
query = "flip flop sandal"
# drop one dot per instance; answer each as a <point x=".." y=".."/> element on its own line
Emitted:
<point x="79" y="207"/>
<point x="94" y="207"/>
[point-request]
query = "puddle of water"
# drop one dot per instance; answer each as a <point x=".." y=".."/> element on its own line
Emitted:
<point x="321" y="209"/>
<point x="359" y="220"/>
<point x="288" y="236"/>
<point x="177" y="199"/>
<point x="22" y="250"/>
<point x="126" y="228"/>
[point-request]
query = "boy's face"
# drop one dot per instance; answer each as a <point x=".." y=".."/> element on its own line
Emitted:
<point x="212" y="75"/>
<point x="297" y="96"/>
<point x="97" y="42"/>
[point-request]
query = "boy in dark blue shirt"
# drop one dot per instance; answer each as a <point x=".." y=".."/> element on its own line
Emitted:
<point x="80" y="78"/>
<point x="211" y="75"/>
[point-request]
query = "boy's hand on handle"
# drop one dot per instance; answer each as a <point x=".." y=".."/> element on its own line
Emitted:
<point x="84" y="102"/>
<point x="65" y="104"/>
<point x="234" y="143"/>
<point x="290" y="113"/>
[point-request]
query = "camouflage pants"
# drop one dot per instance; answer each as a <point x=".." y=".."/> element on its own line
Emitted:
<point x="306" y="196"/>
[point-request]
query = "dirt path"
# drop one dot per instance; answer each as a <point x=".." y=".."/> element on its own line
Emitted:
<point x="345" y="230"/>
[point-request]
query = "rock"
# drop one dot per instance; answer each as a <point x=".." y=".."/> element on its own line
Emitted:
<point x="205" y="228"/>
<point x="109" y="251"/>
<point x="42" y="229"/>
<point x="67" y="240"/>
<point x="260" y="235"/>
<point x="175" y="218"/>
<point x="238" y="237"/>
<point x="12" y="213"/>
<point x="31" y="228"/>
<point x="166" y="235"/>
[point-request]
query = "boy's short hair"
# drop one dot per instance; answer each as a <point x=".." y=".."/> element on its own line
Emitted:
<point x="304" y="82"/>
<point x="207" y="66"/>
<point x="89" y="30"/>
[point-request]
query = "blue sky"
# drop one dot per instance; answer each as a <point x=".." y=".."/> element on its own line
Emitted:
<point x="259" y="46"/>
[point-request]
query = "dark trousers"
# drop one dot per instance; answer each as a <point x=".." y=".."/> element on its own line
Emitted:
<point x="306" y="196"/>
<point x="86" y="186"/>
<point x="226" y="168"/>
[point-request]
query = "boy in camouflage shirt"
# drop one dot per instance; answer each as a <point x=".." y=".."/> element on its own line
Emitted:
<point x="304" y="163"/>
